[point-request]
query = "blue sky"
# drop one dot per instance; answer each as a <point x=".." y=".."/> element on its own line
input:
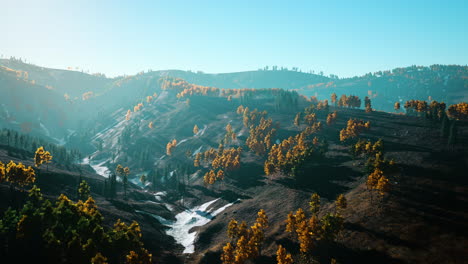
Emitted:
<point x="346" y="38"/>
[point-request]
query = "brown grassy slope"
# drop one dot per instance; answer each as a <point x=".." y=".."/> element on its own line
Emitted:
<point x="423" y="220"/>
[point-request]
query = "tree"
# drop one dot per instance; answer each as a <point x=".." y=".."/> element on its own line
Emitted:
<point x="2" y="172"/>
<point x="314" y="203"/>
<point x="291" y="223"/>
<point x="445" y="126"/>
<point x="242" y="250"/>
<point x="123" y="173"/>
<point x="331" y="118"/>
<point x="333" y="98"/>
<point x="331" y="225"/>
<point x="297" y="119"/>
<point x="195" y="130"/>
<point x="397" y="106"/>
<point x="233" y="229"/>
<point x="367" y="103"/>
<point x="19" y="174"/>
<point x="99" y="259"/>
<point x="262" y="219"/>
<point x="126" y="172"/>
<point x="170" y="147"/>
<point x="282" y="257"/>
<point x="353" y="129"/>
<point x="42" y="156"/>
<point x="128" y="115"/>
<point x="150" y="125"/>
<point x="458" y="111"/>
<point x="341" y="203"/>
<point x="84" y="191"/>
<point x="67" y="232"/>
<point x="452" y="138"/>
<point x="383" y="185"/>
<point x="138" y="258"/>
<point x="227" y="257"/>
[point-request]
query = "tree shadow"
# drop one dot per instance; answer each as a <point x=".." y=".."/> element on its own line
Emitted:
<point x="211" y="257"/>
<point x="248" y="175"/>
<point x="323" y="178"/>
<point x="386" y="237"/>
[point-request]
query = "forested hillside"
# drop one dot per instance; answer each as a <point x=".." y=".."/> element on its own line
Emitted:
<point x="231" y="168"/>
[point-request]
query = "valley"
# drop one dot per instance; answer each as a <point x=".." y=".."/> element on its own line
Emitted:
<point x="206" y="149"/>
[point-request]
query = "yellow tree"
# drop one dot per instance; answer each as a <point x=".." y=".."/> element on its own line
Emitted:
<point x="262" y="219"/>
<point x="242" y="250"/>
<point x="150" y="125"/>
<point x="227" y="257"/>
<point x="341" y="203"/>
<point x="143" y="257"/>
<point x="195" y="129"/>
<point x="196" y="161"/>
<point x="383" y="185"/>
<point x="42" y="156"/>
<point x="233" y="229"/>
<point x="2" y="172"/>
<point x="282" y="257"/>
<point x="19" y="174"/>
<point x="291" y="223"/>
<point x="170" y="146"/>
<point x="333" y="98"/>
<point x="119" y="170"/>
<point x="128" y="115"/>
<point x="99" y="259"/>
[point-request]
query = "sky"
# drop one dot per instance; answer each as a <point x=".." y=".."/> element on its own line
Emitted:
<point x="345" y="38"/>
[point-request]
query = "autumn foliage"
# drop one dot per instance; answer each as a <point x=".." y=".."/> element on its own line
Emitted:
<point x="458" y="111"/>
<point x="350" y="101"/>
<point x="353" y="129"/>
<point x="309" y="230"/>
<point x="17" y="174"/>
<point x="170" y="147"/>
<point x="219" y="161"/>
<point x="282" y="257"/>
<point x="42" y="156"/>
<point x="247" y="241"/>
<point x="331" y="118"/>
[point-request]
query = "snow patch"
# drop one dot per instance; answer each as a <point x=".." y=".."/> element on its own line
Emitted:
<point x="198" y="150"/>
<point x="188" y="219"/>
<point x="202" y="131"/>
<point x="182" y="141"/>
<point x="45" y="129"/>
<point x="98" y="167"/>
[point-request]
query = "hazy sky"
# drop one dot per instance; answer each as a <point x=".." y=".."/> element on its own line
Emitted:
<point x="342" y="37"/>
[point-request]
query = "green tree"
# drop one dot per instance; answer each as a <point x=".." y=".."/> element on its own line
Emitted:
<point x="84" y="191"/>
<point x="314" y="203"/>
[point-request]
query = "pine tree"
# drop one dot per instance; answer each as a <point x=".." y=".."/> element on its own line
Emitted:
<point x="84" y="191"/>
<point x="341" y="203"/>
<point x="297" y="119"/>
<point x="452" y="139"/>
<point x="314" y="203"/>
<point x="233" y="229"/>
<point x="282" y="257"/>
<point x="333" y="99"/>
<point x="227" y="257"/>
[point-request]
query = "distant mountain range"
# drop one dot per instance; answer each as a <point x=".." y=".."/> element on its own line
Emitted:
<point x="54" y="102"/>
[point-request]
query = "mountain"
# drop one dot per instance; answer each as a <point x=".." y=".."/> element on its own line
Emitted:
<point x="275" y="149"/>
